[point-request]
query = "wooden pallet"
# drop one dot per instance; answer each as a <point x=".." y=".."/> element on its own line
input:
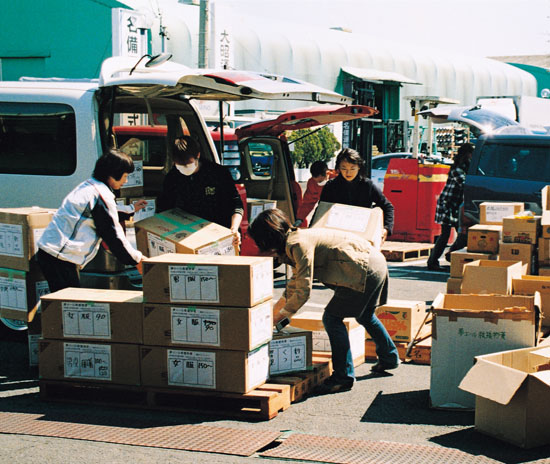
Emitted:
<point x="405" y="251"/>
<point x="302" y="383"/>
<point x="262" y="403"/>
<point x="420" y="353"/>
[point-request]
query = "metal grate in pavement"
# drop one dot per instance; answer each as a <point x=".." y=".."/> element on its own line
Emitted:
<point x="345" y="451"/>
<point x="205" y="438"/>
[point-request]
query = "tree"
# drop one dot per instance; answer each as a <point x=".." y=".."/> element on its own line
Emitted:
<point x="318" y="145"/>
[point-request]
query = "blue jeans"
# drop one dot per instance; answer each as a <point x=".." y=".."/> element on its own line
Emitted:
<point x="361" y="305"/>
<point x="342" y="361"/>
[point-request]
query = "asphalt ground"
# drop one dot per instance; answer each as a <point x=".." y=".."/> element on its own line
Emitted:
<point x="392" y="408"/>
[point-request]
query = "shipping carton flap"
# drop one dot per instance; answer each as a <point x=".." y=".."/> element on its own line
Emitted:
<point x="543" y="376"/>
<point x="545" y="194"/>
<point x="493" y="381"/>
<point x="545" y="218"/>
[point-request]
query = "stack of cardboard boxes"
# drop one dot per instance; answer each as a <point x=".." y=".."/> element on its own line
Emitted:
<point x="479" y="314"/>
<point x="201" y="322"/>
<point x="92" y="336"/>
<point x="207" y="322"/>
<point x="21" y="281"/>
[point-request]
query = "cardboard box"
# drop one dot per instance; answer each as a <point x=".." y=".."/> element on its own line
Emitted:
<point x="20" y="292"/>
<point x="134" y="186"/>
<point x="529" y="285"/>
<point x="313" y="320"/>
<point x="93" y="314"/>
<point x="114" y="363"/>
<point x="544" y="252"/>
<point x="290" y="351"/>
<point x="243" y="281"/>
<point x="193" y="326"/>
<point x="492" y="212"/>
<point x="402" y="318"/>
<point x="545" y="224"/>
<point x="20" y="230"/>
<point x="521" y="229"/>
<point x="147" y="212"/>
<point x="524" y="252"/>
<point x="368" y="223"/>
<point x="485" y="276"/>
<point x="544" y="271"/>
<point x="461" y="257"/>
<point x="465" y="326"/>
<point x="175" y="231"/>
<point x="204" y="368"/>
<point x="512" y="391"/>
<point x="255" y="206"/>
<point x="454" y="285"/>
<point x="484" y="238"/>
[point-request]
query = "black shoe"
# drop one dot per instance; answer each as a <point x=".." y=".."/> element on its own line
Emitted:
<point x="333" y="385"/>
<point x="380" y="367"/>
<point x="435" y="267"/>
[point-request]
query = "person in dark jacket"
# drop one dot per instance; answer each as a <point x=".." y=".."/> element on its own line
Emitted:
<point x="201" y="187"/>
<point x="352" y="187"/>
<point x="448" y="206"/>
<point x="87" y="215"/>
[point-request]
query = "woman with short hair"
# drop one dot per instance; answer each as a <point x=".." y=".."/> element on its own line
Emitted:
<point x="86" y="216"/>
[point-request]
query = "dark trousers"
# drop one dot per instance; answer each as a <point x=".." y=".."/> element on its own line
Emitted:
<point x="59" y="274"/>
<point x="442" y="241"/>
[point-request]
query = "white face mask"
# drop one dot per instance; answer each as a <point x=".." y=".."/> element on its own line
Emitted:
<point x="187" y="169"/>
<point x="320" y="184"/>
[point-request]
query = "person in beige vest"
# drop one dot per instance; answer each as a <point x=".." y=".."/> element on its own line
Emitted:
<point x="343" y="261"/>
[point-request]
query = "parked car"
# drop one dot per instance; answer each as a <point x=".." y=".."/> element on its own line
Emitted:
<point x="507" y="167"/>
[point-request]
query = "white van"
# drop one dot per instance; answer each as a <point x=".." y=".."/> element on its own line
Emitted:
<point x="53" y="130"/>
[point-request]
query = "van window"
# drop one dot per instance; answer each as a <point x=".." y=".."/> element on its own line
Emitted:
<point x="515" y="162"/>
<point x="37" y="139"/>
<point x="261" y="158"/>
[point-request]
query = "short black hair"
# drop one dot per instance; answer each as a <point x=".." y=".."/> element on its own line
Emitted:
<point x="269" y="230"/>
<point x="113" y="163"/>
<point x="185" y="148"/>
<point x="351" y="156"/>
<point x="318" y="168"/>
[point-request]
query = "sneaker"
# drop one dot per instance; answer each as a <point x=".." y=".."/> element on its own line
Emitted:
<point x="380" y="367"/>
<point x="333" y="385"/>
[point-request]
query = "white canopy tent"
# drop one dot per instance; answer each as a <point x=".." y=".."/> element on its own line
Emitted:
<point x="319" y="55"/>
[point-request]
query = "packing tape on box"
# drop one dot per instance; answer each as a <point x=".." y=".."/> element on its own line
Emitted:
<point x="12" y="272"/>
<point x="191" y="227"/>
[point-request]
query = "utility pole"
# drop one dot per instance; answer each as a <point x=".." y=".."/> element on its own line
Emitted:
<point x="204" y="33"/>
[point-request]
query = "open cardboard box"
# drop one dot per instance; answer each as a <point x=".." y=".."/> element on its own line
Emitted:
<point x="465" y="326"/>
<point x="529" y="285"/>
<point x="486" y="276"/>
<point x="512" y="391"/>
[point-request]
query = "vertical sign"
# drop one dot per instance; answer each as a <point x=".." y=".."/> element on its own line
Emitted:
<point x="129" y="33"/>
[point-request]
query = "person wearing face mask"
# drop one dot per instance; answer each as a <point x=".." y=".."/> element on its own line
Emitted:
<point x="319" y="176"/>
<point x="87" y="215"/>
<point x="201" y="187"/>
<point x="352" y="187"/>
